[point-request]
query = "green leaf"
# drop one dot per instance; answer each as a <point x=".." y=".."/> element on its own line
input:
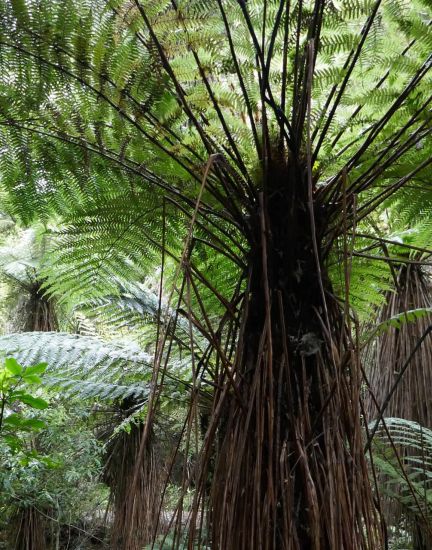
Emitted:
<point x="16" y="395"/>
<point x="12" y="441"/>
<point x="35" y="402"/>
<point x="50" y="463"/>
<point x="396" y="321"/>
<point x="14" y="419"/>
<point x="40" y="368"/>
<point x="13" y="366"/>
<point x="24" y="461"/>
<point x="34" y="423"/>
<point x="32" y="379"/>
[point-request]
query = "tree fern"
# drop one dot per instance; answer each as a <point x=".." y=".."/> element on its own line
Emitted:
<point x="208" y="134"/>
<point x="400" y="362"/>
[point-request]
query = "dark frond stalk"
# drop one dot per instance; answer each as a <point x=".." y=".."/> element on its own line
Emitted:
<point x="377" y="87"/>
<point x="240" y="79"/>
<point x="349" y="67"/>
<point x="289" y="438"/>
<point x="284" y="63"/>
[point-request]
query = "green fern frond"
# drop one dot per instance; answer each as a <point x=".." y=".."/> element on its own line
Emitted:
<point x="407" y="479"/>
<point x="83" y="366"/>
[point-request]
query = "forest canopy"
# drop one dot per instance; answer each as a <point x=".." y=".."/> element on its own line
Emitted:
<point x="215" y="261"/>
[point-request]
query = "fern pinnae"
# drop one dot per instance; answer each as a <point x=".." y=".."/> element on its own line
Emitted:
<point x="80" y="365"/>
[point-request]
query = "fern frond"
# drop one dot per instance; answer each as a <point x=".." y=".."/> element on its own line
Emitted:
<point x="83" y="366"/>
<point x="407" y="478"/>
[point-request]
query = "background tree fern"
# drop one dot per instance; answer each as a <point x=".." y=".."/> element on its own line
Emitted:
<point x="105" y="373"/>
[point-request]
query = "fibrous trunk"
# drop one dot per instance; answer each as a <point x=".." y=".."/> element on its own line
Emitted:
<point x="411" y="398"/>
<point x="35" y="311"/>
<point x="291" y="473"/>
<point x="135" y="489"/>
<point x="28" y="527"/>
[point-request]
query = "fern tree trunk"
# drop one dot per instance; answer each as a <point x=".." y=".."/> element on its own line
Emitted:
<point x="291" y="472"/>
<point x="37" y="312"/>
<point x="411" y="399"/>
<point x="28" y="529"/>
<point x="135" y="483"/>
<point x="41" y="312"/>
